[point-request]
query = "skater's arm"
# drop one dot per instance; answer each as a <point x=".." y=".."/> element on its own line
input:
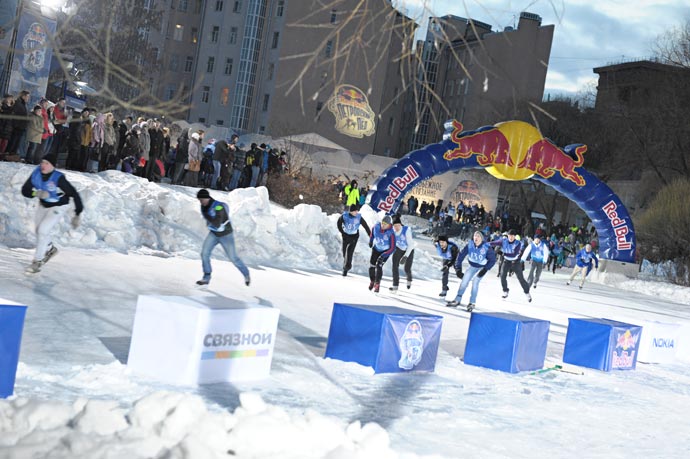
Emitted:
<point x="461" y="256"/>
<point x="70" y="192"/>
<point x="340" y="225"/>
<point x="490" y="259"/>
<point x="366" y="227"/>
<point x="391" y="249"/>
<point x="410" y="242"/>
<point x="28" y="189"/>
<point x="526" y="252"/>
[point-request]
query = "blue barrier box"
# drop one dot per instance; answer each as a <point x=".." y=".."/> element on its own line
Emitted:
<point x="386" y="338"/>
<point x="506" y="342"/>
<point x="602" y="344"/>
<point x="11" y="326"/>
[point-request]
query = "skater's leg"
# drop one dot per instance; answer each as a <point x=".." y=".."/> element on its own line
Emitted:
<point x="209" y="243"/>
<point x="46" y="219"/>
<point x="228" y="243"/>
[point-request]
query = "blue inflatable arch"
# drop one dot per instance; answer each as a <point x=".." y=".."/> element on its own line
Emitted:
<point x="514" y="150"/>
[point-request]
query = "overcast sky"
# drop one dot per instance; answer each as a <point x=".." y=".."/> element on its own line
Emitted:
<point x="588" y="33"/>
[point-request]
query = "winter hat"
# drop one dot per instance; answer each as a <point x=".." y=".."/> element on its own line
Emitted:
<point x="396" y="219"/>
<point x="203" y="194"/>
<point x="196" y="137"/>
<point x="443" y="237"/>
<point x="353" y="207"/>
<point x="479" y="233"/>
<point x="387" y="220"/>
<point x="512" y="232"/>
<point x="536" y="236"/>
<point x="51" y="158"/>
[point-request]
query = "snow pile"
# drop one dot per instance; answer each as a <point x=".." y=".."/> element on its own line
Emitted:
<point x="129" y="214"/>
<point x="175" y="425"/>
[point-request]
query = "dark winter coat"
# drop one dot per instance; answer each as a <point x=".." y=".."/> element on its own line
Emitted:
<point x="240" y="159"/>
<point x="182" y="148"/>
<point x="6" y="121"/>
<point x="21" y="113"/>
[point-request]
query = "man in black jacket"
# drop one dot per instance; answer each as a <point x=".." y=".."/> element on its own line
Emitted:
<point x="217" y="218"/>
<point x="181" y="157"/>
<point x="20" y="122"/>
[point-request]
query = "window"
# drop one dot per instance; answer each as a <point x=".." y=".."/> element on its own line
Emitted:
<point x="262" y="129"/>
<point x="197" y="6"/>
<point x="210" y="64"/>
<point x="179" y="32"/>
<point x="188" y="64"/>
<point x="204" y="95"/>
<point x="233" y="36"/>
<point x="276" y="37"/>
<point x="215" y="32"/>
<point x="264" y="106"/>
<point x="169" y="92"/>
<point x="271" y="69"/>
<point x="195" y="34"/>
<point x="329" y="48"/>
<point x="228" y="66"/>
<point x="224" y="96"/>
<point x="219" y="122"/>
<point x="280" y="9"/>
<point x="202" y="120"/>
<point x="182" y="5"/>
<point x="219" y="5"/>
<point x="319" y="107"/>
<point x="391" y="126"/>
<point x="237" y="7"/>
<point x="148" y="5"/>
<point x="174" y="63"/>
<point x="334" y="16"/>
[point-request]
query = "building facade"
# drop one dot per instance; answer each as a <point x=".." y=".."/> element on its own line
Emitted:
<point x="474" y="75"/>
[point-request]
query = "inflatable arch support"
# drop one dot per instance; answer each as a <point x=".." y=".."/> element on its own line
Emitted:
<point x="514" y="150"/>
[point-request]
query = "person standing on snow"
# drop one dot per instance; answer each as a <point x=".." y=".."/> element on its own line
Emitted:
<point x="382" y="243"/>
<point x="54" y="192"/>
<point x="447" y="250"/>
<point x="404" y="252"/>
<point x="583" y="264"/>
<point x="511" y="248"/>
<point x="481" y="258"/>
<point x="220" y="232"/>
<point x="348" y="225"/>
<point x="352" y="193"/>
<point x="539" y="253"/>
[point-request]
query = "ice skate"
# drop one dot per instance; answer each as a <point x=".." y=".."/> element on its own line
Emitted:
<point x="50" y="254"/>
<point x="376" y="288"/>
<point x="443" y="293"/>
<point x="505" y="294"/>
<point x="34" y="267"/>
<point x="452" y="304"/>
<point x="204" y="280"/>
<point x="247" y="281"/>
<point x="470" y="307"/>
<point x="529" y="297"/>
<point x="393" y="289"/>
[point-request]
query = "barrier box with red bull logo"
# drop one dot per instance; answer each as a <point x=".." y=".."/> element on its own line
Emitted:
<point x="602" y="344"/>
<point x="386" y="338"/>
<point x="507" y="342"/>
<point x="11" y="327"/>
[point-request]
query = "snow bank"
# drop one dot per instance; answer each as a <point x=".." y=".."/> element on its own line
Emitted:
<point x="175" y="425"/>
<point x="129" y="214"/>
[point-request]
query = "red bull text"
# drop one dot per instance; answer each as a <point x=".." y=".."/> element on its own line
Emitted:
<point x="620" y="226"/>
<point x="625" y="360"/>
<point x="490" y="146"/>
<point x="396" y="188"/>
<point x="545" y="159"/>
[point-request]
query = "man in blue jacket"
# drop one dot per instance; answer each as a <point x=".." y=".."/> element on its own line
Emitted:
<point x="538" y="251"/>
<point x="217" y="219"/>
<point x="583" y="264"/>
<point x="448" y="251"/>
<point x="382" y="243"/>
<point x="481" y="258"/>
<point x="511" y="248"/>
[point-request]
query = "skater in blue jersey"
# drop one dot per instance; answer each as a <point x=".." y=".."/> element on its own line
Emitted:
<point x="481" y="258"/>
<point x="404" y="252"/>
<point x="348" y="225"/>
<point x="53" y="192"/>
<point x="538" y="251"/>
<point x="382" y="243"/>
<point x="583" y="264"/>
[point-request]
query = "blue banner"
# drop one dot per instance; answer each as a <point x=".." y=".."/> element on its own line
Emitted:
<point x="8" y="16"/>
<point x="32" y="54"/>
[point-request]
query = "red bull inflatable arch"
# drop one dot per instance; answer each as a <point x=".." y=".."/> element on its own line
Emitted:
<point x="514" y="150"/>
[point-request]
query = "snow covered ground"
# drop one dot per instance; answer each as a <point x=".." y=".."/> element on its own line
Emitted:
<point x="76" y="398"/>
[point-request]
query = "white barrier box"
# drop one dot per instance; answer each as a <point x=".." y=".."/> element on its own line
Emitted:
<point x="659" y="342"/>
<point x="198" y="340"/>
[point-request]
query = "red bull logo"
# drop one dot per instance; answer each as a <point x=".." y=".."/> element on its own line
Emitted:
<point x="619" y="225"/>
<point x="490" y="146"/>
<point x="627" y="340"/>
<point x="545" y="159"/>
<point x="395" y="189"/>
<point x="515" y="150"/>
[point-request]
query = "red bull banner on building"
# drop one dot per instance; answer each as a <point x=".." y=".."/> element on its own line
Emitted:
<point x="514" y="150"/>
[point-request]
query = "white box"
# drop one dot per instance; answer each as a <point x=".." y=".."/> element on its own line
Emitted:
<point x="659" y="342"/>
<point x="197" y="340"/>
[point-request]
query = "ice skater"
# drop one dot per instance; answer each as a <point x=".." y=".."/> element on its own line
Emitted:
<point x="220" y="232"/>
<point x="583" y="264"/>
<point x="382" y="243"/>
<point x="539" y="253"/>
<point x="54" y="192"/>
<point x="404" y="253"/>
<point x="511" y="248"/>
<point x="481" y="258"/>
<point x="448" y="251"/>
<point x="348" y="225"/>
